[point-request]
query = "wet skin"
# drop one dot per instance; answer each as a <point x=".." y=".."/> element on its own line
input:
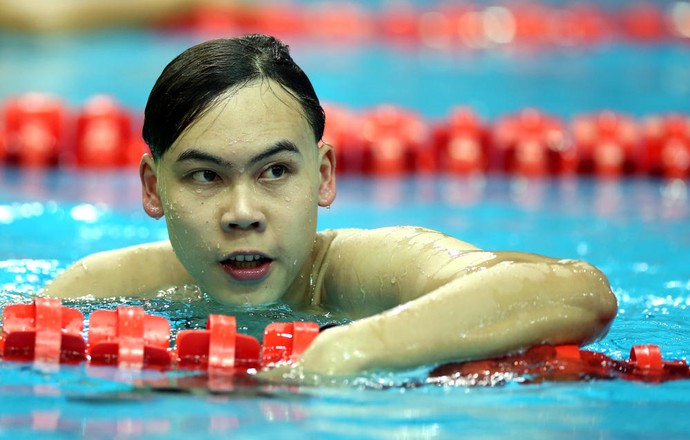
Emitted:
<point x="243" y="181"/>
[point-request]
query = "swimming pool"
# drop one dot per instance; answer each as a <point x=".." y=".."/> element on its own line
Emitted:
<point x="635" y="229"/>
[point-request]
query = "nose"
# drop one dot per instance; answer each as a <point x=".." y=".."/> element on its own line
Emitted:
<point x="243" y="212"/>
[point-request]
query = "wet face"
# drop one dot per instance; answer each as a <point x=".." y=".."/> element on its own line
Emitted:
<point x="239" y="190"/>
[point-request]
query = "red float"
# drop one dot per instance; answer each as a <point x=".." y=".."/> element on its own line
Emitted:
<point x="529" y="143"/>
<point x="218" y="349"/>
<point x="445" y="23"/>
<point x="532" y="23"/>
<point x="3" y="145"/>
<point x="280" y="20"/>
<point x="396" y="141"/>
<point x="606" y="144"/>
<point x="580" y="24"/>
<point x="666" y="146"/>
<point x="284" y="342"/>
<point x="210" y="21"/>
<point x="400" y="21"/>
<point x="341" y="21"/>
<point x="45" y="332"/>
<point x="386" y="140"/>
<point x="462" y="144"/>
<point x="128" y="338"/>
<point x="561" y="363"/>
<point x="344" y="131"/>
<point x="36" y="129"/>
<point x="103" y="134"/>
<point x="644" y="21"/>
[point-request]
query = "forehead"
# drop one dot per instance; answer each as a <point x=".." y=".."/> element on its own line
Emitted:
<point x="258" y="113"/>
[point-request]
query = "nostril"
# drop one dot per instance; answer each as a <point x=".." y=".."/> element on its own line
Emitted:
<point x="241" y="218"/>
<point x="248" y="225"/>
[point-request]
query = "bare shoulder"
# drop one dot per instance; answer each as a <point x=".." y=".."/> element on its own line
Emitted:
<point x="136" y="270"/>
<point x="396" y="237"/>
<point x="369" y="270"/>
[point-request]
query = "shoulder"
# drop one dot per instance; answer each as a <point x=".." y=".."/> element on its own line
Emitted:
<point x="355" y="262"/>
<point x="401" y="237"/>
<point x="134" y="270"/>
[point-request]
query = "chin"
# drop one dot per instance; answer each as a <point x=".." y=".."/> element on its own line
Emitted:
<point x="257" y="296"/>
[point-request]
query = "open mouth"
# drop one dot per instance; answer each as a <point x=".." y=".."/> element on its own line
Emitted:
<point x="247" y="267"/>
<point x="247" y="261"/>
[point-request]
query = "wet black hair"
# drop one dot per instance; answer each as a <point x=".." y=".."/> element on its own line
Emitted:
<point x="191" y="82"/>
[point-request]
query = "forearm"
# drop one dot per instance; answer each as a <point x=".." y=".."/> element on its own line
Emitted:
<point x="490" y="312"/>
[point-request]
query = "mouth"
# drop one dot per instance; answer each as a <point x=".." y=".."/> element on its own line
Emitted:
<point x="247" y="266"/>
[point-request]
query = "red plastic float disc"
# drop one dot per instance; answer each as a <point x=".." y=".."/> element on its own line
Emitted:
<point x="647" y="356"/>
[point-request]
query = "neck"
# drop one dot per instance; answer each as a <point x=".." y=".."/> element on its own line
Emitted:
<point x="305" y="290"/>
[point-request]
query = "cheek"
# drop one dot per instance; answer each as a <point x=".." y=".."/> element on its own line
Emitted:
<point x="184" y="207"/>
<point x="189" y="223"/>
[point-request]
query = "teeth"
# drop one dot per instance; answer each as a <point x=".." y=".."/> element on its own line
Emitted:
<point x="245" y="257"/>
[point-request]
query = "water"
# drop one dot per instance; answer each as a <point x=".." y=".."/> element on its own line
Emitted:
<point x="634" y="230"/>
<point x="635" y="79"/>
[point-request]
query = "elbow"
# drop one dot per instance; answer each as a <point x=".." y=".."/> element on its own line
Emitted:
<point x="606" y="302"/>
<point x="596" y="300"/>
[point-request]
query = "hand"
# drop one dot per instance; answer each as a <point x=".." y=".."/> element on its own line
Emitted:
<point x="334" y="356"/>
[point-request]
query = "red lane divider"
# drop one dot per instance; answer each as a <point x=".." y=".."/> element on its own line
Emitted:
<point x="128" y="338"/>
<point x="35" y="127"/>
<point x="40" y="131"/>
<point x="219" y="348"/>
<point x="529" y="143"/>
<point x="104" y="135"/>
<point x="562" y="363"/>
<point x="465" y="25"/>
<point x="286" y="341"/>
<point x="462" y="143"/>
<point x="45" y="332"/>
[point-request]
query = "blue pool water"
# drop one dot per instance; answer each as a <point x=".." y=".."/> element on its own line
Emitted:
<point x="636" y="230"/>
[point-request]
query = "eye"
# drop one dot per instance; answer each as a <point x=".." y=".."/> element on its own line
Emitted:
<point x="274" y="172"/>
<point x="204" y="176"/>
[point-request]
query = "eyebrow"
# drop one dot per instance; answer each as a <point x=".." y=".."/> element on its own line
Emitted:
<point x="201" y="156"/>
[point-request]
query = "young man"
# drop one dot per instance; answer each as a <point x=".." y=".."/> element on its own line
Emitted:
<point x="238" y="171"/>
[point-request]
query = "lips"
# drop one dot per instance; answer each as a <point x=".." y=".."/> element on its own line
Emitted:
<point x="247" y="266"/>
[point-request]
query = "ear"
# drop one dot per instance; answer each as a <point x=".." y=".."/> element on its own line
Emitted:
<point x="327" y="173"/>
<point x="149" y="187"/>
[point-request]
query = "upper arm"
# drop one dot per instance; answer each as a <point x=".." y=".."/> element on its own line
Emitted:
<point x="373" y="270"/>
<point x="136" y="270"/>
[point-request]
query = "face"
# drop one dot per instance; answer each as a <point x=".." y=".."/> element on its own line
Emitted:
<point x="239" y="190"/>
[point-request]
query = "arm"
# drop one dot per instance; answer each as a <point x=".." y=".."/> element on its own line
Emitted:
<point x="439" y="299"/>
<point x="138" y="270"/>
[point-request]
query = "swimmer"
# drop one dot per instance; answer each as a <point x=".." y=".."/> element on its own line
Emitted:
<point x="238" y="170"/>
